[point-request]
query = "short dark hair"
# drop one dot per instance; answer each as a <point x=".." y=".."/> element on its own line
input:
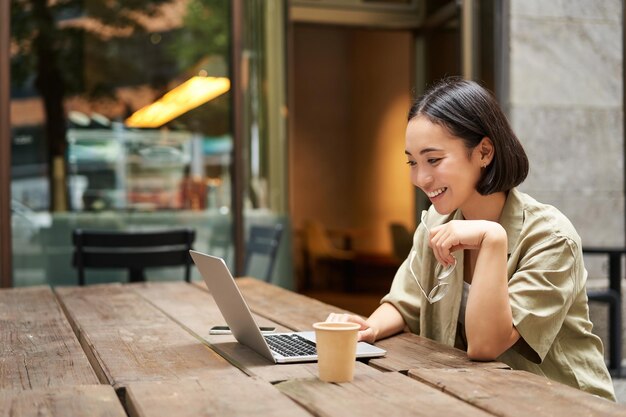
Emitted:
<point x="470" y="112"/>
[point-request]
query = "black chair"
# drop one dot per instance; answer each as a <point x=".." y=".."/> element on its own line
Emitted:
<point x="613" y="297"/>
<point x="134" y="251"/>
<point x="261" y="251"/>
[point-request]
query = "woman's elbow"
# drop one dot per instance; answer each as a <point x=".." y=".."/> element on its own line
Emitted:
<point x="490" y="348"/>
<point x="482" y="352"/>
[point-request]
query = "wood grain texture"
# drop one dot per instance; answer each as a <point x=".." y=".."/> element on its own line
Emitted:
<point x="127" y="339"/>
<point x="196" y="310"/>
<point x="38" y="348"/>
<point x="404" y="351"/>
<point x="285" y="307"/>
<point x="189" y="306"/>
<point x="83" y="400"/>
<point x="510" y="393"/>
<point x="410" y="351"/>
<point x="386" y="394"/>
<point x="233" y="395"/>
<point x="151" y="339"/>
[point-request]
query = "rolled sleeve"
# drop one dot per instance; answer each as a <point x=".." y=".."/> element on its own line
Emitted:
<point x="404" y="297"/>
<point x="541" y="292"/>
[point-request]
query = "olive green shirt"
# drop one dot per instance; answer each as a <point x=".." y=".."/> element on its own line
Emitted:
<point x="547" y="293"/>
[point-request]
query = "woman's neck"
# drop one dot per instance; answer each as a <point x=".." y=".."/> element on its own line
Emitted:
<point x="484" y="207"/>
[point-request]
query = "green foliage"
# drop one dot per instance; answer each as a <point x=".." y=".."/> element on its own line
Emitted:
<point x="64" y="48"/>
<point x="206" y="32"/>
<point x="52" y="26"/>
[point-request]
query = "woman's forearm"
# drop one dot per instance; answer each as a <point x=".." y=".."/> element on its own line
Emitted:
<point x="488" y="319"/>
<point x="385" y="321"/>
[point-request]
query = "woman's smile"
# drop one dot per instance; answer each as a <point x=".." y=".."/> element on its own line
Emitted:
<point x="437" y="157"/>
<point x="435" y="193"/>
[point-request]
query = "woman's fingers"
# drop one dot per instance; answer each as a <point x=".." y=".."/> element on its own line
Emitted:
<point x="443" y="240"/>
<point x="366" y="333"/>
<point x="437" y="243"/>
<point x="341" y="317"/>
<point x="335" y="317"/>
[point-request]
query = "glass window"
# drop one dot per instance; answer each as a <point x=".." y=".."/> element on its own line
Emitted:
<point x="120" y="119"/>
<point x="264" y="116"/>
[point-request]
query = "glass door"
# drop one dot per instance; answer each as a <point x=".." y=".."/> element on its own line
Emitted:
<point x="261" y="65"/>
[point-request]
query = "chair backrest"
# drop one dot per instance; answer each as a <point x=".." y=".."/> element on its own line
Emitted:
<point x="262" y="249"/>
<point x="134" y="251"/>
<point x="318" y="243"/>
<point x="401" y="239"/>
<point x="221" y="240"/>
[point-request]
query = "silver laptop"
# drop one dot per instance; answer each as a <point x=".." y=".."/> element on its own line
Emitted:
<point x="277" y="347"/>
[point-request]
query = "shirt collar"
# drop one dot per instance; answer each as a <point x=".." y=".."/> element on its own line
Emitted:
<point x="512" y="218"/>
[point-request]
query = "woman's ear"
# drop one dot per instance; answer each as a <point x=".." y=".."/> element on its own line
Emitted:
<point x="485" y="150"/>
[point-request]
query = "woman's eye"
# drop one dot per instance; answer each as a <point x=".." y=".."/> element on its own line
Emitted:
<point x="411" y="163"/>
<point x="433" y="161"/>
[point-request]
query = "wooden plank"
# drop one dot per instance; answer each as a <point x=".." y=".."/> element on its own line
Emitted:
<point x="404" y="351"/>
<point x="410" y="351"/>
<point x="196" y="311"/>
<point x="285" y="307"/>
<point x="127" y="339"/>
<point x="38" y="348"/>
<point x="69" y="401"/>
<point x="386" y="394"/>
<point x="234" y="395"/>
<point x="509" y="393"/>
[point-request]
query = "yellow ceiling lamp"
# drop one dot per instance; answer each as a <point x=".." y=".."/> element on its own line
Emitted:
<point x="192" y="93"/>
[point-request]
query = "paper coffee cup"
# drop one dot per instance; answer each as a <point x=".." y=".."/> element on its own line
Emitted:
<point x="336" y="350"/>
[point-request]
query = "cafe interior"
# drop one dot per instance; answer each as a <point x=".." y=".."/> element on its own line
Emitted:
<point x="269" y="133"/>
<point x="285" y="115"/>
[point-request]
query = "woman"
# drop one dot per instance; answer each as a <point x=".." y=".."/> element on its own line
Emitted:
<point x="492" y="271"/>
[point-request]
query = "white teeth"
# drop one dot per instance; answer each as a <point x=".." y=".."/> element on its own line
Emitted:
<point x="436" y="192"/>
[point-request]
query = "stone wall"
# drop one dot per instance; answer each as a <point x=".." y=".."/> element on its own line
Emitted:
<point x="565" y="103"/>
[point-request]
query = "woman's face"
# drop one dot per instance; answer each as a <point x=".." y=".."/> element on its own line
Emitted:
<point x="441" y="166"/>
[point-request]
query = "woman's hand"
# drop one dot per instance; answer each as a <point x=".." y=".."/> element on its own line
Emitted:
<point x="366" y="332"/>
<point x="488" y="318"/>
<point x="458" y="235"/>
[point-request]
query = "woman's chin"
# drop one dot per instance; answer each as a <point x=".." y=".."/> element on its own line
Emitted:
<point x="443" y="210"/>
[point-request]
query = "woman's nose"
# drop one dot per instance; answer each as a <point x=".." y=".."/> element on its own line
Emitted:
<point x="422" y="179"/>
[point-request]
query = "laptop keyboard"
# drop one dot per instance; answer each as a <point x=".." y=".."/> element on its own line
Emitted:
<point x="291" y="345"/>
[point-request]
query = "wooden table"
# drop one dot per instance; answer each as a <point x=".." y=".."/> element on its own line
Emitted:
<point x="144" y="350"/>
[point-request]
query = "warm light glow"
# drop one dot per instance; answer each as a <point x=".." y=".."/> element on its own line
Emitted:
<point x="189" y="95"/>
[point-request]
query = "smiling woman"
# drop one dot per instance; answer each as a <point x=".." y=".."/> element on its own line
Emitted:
<point x="518" y="290"/>
<point x="441" y="167"/>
